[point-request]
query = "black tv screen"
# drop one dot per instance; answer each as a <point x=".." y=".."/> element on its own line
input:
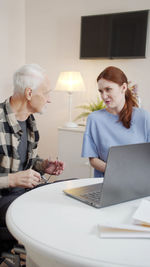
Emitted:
<point x="117" y="35"/>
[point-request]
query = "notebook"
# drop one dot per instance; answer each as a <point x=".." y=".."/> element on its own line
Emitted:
<point x="127" y="177"/>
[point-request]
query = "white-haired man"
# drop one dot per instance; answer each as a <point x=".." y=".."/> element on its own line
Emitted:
<point x="20" y="166"/>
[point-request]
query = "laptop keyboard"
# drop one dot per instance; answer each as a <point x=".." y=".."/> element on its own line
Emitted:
<point x="92" y="196"/>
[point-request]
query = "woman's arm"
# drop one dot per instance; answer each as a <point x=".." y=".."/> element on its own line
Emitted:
<point x="98" y="164"/>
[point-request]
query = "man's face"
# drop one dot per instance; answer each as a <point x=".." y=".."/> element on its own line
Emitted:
<point x="40" y="97"/>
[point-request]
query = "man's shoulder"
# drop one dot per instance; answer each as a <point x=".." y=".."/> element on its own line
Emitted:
<point x="2" y="111"/>
<point x="2" y="105"/>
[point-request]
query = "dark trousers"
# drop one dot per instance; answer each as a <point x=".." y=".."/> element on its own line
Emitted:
<point x="8" y="197"/>
<point x="7" y="241"/>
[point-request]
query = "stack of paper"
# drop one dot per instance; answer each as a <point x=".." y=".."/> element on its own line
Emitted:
<point x="142" y="214"/>
<point x="139" y="229"/>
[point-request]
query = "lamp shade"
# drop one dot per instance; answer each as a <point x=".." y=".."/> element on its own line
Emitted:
<point x="70" y="82"/>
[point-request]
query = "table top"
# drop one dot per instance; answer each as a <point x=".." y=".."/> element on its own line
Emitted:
<point x="51" y="223"/>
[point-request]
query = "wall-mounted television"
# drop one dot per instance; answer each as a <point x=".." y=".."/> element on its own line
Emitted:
<point x="117" y="35"/>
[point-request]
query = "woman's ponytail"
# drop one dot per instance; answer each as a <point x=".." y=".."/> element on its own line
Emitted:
<point x="125" y="114"/>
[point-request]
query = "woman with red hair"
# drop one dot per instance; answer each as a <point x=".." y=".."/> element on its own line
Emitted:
<point x="120" y="123"/>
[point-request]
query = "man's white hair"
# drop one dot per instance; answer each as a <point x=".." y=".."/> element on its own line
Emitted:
<point x="28" y="76"/>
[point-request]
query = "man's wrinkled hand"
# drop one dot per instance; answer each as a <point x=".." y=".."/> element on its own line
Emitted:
<point x="25" y="179"/>
<point x="54" y="167"/>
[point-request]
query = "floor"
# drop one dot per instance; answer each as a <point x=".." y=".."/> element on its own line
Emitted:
<point x="3" y="265"/>
<point x="23" y="257"/>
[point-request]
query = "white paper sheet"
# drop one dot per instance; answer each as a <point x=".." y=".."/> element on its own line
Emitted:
<point x="142" y="214"/>
<point x="140" y="228"/>
<point x="123" y="231"/>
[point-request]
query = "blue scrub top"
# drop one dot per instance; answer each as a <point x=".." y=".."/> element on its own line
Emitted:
<point x="103" y="131"/>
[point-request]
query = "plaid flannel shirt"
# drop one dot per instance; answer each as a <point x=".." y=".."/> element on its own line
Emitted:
<point x="10" y="134"/>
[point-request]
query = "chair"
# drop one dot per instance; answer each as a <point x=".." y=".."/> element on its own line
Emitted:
<point x="11" y="253"/>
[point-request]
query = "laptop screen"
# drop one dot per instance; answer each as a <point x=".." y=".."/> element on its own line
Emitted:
<point x="127" y="174"/>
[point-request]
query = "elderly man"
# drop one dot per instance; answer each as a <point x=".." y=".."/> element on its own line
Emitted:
<point x="20" y="166"/>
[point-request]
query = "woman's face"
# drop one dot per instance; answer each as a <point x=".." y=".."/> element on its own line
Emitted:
<point x="112" y="94"/>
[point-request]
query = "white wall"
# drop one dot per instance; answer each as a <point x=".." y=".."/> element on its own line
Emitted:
<point x="52" y="40"/>
<point x="12" y="42"/>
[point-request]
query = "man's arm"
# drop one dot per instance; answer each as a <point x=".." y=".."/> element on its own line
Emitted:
<point x="26" y="179"/>
<point x="4" y="182"/>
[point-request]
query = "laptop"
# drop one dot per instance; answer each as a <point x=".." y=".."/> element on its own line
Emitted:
<point x="127" y="177"/>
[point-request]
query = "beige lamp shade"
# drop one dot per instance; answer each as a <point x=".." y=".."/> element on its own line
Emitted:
<point x="70" y="82"/>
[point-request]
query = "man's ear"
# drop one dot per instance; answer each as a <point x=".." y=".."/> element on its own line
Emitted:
<point x="28" y="93"/>
<point x="124" y="87"/>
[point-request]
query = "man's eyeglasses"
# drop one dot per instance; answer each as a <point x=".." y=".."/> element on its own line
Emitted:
<point x="45" y="180"/>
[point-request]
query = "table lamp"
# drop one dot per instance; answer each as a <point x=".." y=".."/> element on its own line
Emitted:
<point x="70" y="82"/>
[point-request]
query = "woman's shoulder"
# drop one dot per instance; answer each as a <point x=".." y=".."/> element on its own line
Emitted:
<point x="102" y="115"/>
<point x="141" y="112"/>
<point x="101" y="118"/>
<point x="97" y="113"/>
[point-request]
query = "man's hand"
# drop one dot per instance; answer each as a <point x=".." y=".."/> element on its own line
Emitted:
<point x="26" y="179"/>
<point x="53" y="167"/>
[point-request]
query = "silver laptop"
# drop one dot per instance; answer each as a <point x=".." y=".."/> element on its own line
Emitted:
<point x="127" y="177"/>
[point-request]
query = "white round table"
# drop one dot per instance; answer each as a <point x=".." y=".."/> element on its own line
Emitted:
<point x="57" y="230"/>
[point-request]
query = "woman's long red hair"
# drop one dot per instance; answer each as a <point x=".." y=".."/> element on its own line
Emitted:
<point x="116" y="75"/>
